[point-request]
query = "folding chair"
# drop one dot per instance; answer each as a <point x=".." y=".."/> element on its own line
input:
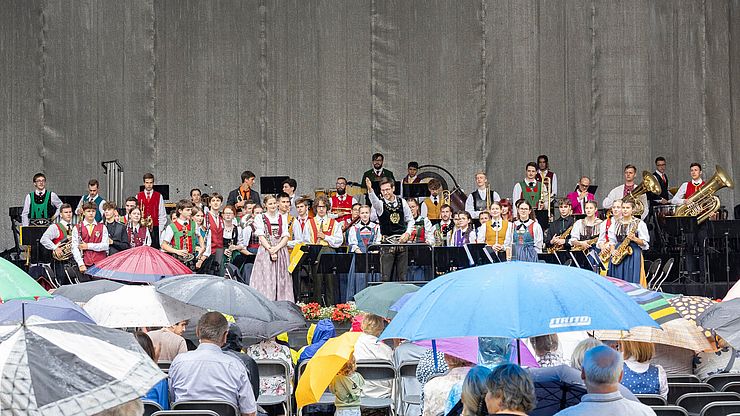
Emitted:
<point x="663" y="275"/>
<point x="185" y="413"/>
<point x="219" y="407"/>
<point x="325" y="399"/>
<point x="720" y="408"/>
<point x="683" y="378"/>
<point x="651" y="399"/>
<point x="409" y="389"/>
<point x="676" y="390"/>
<point x="669" y="411"/>
<point x="718" y="381"/>
<point x="275" y="368"/>
<point x="151" y="407"/>
<point x="164" y="366"/>
<point x="653" y="272"/>
<point x="695" y="402"/>
<point x="734" y="386"/>
<point x="378" y="371"/>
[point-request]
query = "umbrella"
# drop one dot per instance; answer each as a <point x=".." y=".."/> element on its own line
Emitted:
<point x="378" y="299"/>
<point x="516" y="300"/>
<point x="57" y="308"/>
<point x="323" y="366"/>
<point x="654" y="303"/>
<point x="83" y="292"/>
<point x="289" y="318"/>
<point x="401" y="301"/>
<point x="690" y="307"/>
<point x="556" y="388"/>
<point x="469" y="349"/>
<point x="16" y="284"/>
<point x="138" y="306"/>
<point x="219" y="294"/>
<point x="70" y="368"/>
<point x="724" y="319"/>
<point x="678" y="333"/>
<point x="139" y="264"/>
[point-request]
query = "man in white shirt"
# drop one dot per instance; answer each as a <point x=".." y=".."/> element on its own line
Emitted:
<point x="530" y="188"/>
<point x="55" y="236"/>
<point x="602" y="371"/>
<point x="89" y="240"/>
<point x="93" y="195"/>
<point x="40" y="204"/>
<point x="689" y="188"/>
<point x="621" y="191"/>
<point x="477" y="200"/>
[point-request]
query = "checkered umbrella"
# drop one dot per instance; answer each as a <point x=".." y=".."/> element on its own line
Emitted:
<point x="70" y="368"/>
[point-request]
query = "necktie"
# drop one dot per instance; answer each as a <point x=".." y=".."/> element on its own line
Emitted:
<point x="662" y="175"/>
<point x="435" y="200"/>
<point x="69" y="229"/>
<point x="303" y="222"/>
<point x="90" y="229"/>
<point x="531" y="184"/>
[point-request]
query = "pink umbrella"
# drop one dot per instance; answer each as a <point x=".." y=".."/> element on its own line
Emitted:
<point x="140" y="264"/>
<point x="467" y="349"/>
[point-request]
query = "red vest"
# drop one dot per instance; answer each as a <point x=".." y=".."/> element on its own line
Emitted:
<point x="90" y="257"/>
<point x="217" y="231"/>
<point x="62" y="234"/>
<point x="345" y="208"/>
<point x="136" y="239"/>
<point x="151" y="206"/>
<point x="691" y="189"/>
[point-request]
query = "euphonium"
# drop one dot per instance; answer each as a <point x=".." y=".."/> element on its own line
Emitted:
<point x="624" y="249"/>
<point x="66" y="246"/>
<point x="649" y="184"/>
<point x="704" y="203"/>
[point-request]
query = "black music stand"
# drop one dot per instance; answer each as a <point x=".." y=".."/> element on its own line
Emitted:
<point x="162" y="189"/>
<point x="31" y="236"/>
<point x="334" y="264"/>
<point x="477" y="252"/>
<point x="577" y="217"/>
<point x="421" y="255"/>
<point x="72" y="200"/>
<point x="591" y="189"/>
<point x="580" y="259"/>
<point x="447" y="259"/>
<point x="542" y="218"/>
<point x="724" y="230"/>
<point x="550" y="258"/>
<point x="494" y="256"/>
<point x="367" y="262"/>
<point x="678" y="227"/>
<point x="272" y="184"/>
<point x="415" y="190"/>
<point x="312" y="254"/>
<point x="564" y="256"/>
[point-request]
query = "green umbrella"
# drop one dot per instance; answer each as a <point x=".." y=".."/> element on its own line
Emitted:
<point x="378" y="299"/>
<point x="16" y="284"/>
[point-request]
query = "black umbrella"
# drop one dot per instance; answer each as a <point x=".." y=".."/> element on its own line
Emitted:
<point x="83" y="292"/>
<point x="289" y="318"/>
<point x="724" y="319"/>
<point x="556" y="388"/>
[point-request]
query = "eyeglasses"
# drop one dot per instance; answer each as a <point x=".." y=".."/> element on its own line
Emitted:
<point x="583" y="185"/>
<point x="40" y="180"/>
<point x="660" y="164"/>
<point x="320" y="206"/>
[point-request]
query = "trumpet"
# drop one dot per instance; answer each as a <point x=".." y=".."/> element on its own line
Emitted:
<point x="445" y="197"/>
<point x="546" y="197"/>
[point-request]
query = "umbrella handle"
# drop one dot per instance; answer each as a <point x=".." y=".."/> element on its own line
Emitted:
<point x="434" y="354"/>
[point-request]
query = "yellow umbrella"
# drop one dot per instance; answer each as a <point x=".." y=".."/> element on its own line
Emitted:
<point x="323" y="366"/>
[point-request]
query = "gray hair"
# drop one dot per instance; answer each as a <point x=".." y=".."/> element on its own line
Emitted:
<point x="602" y="365"/>
<point x="133" y="408"/>
<point x="212" y="326"/>
<point x="513" y="386"/>
<point x="576" y="359"/>
<point x="474" y="391"/>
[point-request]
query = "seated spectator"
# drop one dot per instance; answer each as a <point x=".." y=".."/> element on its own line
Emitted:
<point x="725" y="360"/>
<point x="546" y="350"/>
<point x="602" y="371"/>
<point x="270" y="349"/>
<point x="368" y="347"/>
<point x="210" y="374"/>
<point x="427" y="368"/>
<point x="576" y="362"/>
<point x="160" y="392"/>
<point x="640" y="375"/>
<point x="437" y="390"/>
<point x="323" y="331"/>
<point x="169" y="341"/>
<point x="234" y="347"/>
<point x="347" y="388"/>
<point x="471" y="393"/>
<point x="674" y="360"/>
<point x="510" y="391"/>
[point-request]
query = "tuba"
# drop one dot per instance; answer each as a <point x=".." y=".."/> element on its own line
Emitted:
<point x="704" y="203"/>
<point x="649" y="184"/>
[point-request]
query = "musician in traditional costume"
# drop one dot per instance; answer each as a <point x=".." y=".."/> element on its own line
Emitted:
<point x="202" y="253"/>
<point x="284" y="209"/>
<point x="89" y="241"/>
<point x="215" y="225"/>
<point x="129" y="205"/>
<point x="525" y="240"/>
<point x="423" y="233"/>
<point x="685" y="192"/>
<point x="93" y="195"/>
<point x="138" y="235"/>
<point x="495" y="232"/>
<point x="117" y="235"/>
<point x="40" y="204"/>
<point x="239" y="196"/>
<point x="581" y="196"/>
<point x="613" y="216"/>
<point x="664" y="197"/>
<point x="396" y="224"/>
<point x="558" y="233"/>
<point x="325" y="231"/>
<point x="378" y="172"/>
<point x="411" y="177"/>
<point x="151" y="203"/>
<point x="585" y="233"/>
<point x="57" y="238"/>
<point x="543" y="171"/>
<point x="341" y="203"/>
<point x="431" y="206"/>
<point x="289" y="186"/>
<point x="622" y="191"/>
<point x="179" y="239"/>
<point x="443" y="229"/>
<point x="463" y="233"/>
<point x="270" y="274"/>
<point x="634" y="233"/>
<point x="233" y="235"/>
<point x="480" y="199"/>
<point x="299" y="222"/>
<point x="529" y="189"/>
<point x="360" y="236"/>
<point x="689" y="188"/>
<point x="196" y="199"/>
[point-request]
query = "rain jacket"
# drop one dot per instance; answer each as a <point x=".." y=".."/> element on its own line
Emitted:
<point x="324" y="330"/>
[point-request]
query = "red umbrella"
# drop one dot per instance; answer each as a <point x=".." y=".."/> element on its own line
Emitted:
<point x="140" y="264"/>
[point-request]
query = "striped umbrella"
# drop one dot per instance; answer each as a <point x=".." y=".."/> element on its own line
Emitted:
<point x="654" y="303"/>
<point x="70" y="368"/>
<point x="140" y="264"/>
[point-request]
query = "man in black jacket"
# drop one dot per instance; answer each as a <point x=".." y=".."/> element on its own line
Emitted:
<point x="117" y="235"/>
<point x="244" y="193"/>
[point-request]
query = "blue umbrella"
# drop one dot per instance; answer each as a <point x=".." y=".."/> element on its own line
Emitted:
<point x="516" y="300"/>
<point x="56" y="308"/>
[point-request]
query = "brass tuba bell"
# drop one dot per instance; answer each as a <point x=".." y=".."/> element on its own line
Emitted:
<point x="649" y="184"/>
<point x="704" y="203"/>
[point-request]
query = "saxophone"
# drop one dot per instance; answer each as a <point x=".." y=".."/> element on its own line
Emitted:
<point x="624" y="249"/>
<point x="559" y="247"/>
<point x="590" y="242"/>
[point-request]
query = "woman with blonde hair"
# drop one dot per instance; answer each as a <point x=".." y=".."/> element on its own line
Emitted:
<point x="471" y="393"/>
<point x="368" y="347"/>
<point x="640" y="375"/>
<point x="347" y="389"/>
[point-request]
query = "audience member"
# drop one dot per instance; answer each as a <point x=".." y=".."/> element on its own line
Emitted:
<point x="429" y="366"/>
<point x="270" y="349"/>
<point x="132" y="408"/>
<point x="169" y="340"/>
<point x="210" y="374"/>
<point x="160" y="392"/>
<point x="725" y="360"/>
<point x="510" y="391"/>
<point x="323" y="331"/>
<point x="674" y="360"/>
<point x="437" y="390"/>
<point x="234" y="347"/>
<point x="347" y="388"/>
<point x="368" y="347"/>
<point x="640" y="375"/>
<point x="472" y="393"/>
<point x="602" y="372"/>
<point x="576" y="362"/>
<point x="546" y="350"/>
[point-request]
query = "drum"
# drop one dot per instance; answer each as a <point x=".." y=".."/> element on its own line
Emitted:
<point x="662" y="211"/>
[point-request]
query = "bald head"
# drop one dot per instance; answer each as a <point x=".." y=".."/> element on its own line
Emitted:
<point x="602" y="366"/>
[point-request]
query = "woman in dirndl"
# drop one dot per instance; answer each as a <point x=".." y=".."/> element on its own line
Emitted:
<point x="631" y="268"/>
<point x="270" y="274"/>
<point x="525" y="240"/>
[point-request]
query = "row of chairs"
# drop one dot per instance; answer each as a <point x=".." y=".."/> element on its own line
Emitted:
<point x="687" y="395"/>
<point x="712" y="409"/>
<point x="718" y="381"/>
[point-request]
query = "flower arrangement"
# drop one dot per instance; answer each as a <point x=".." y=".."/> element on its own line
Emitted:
<point x="342" y="312"/>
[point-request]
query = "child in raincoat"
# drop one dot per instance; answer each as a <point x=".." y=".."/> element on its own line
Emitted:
<point x="347" y="389"/>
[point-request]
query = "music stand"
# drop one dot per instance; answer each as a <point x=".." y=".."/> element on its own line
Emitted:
<point x="577" y="217"/>
<point x="679" y="227"/>
<point x="549" y="258"/>
<point x="334" y="264"/>
<point x="415" y="190"/>
<point x="367" y="263"/>
<point x="563" y="256"/>
<point x="543" y="218"/>
<point x="478" y="254"/>
<point x="421" y="255"/>
<point x="448" y="258"/>
<point x="591" y="189"/>
<point x="272" y="184"/>
<point x="494" y="256"/>
<point x="580" y="259"/>
<point x="162" y="189"/>
<point x="312" y="253"/>
<point x="72" y="200"/>
<point x="31" y="236"/>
